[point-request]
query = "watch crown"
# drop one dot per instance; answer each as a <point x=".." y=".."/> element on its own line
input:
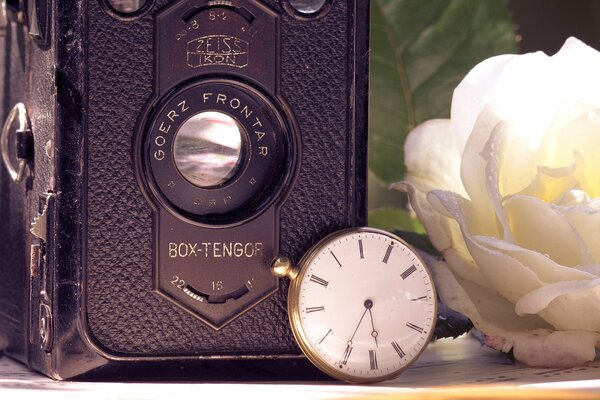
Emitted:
<point x="282" y="267"/>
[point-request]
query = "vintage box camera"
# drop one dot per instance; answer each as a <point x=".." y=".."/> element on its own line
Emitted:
<point x="166" y="152"/>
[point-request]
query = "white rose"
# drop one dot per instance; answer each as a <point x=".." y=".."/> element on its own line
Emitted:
<point x="509" y="192"/>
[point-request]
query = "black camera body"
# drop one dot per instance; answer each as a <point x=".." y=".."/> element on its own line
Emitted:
<point x="172" y="151"/>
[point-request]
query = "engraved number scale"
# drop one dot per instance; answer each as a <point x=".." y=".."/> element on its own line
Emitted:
<point x="362" y="304"/>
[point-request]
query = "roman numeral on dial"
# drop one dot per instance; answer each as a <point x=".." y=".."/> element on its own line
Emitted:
<point x="408" y="271"/>
<point x="360" y="249"/>
<point x="414" y="327"/>
<point x="387" y="254"/>
<point x="398" y="349"/>
<point x="373" y="359"/>
<point x="336" y="259"/>
<point x="347" y="353"/>
<point x="319" y="280"/>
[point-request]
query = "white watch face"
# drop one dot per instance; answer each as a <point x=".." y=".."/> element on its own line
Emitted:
<point x="363" y="305"/>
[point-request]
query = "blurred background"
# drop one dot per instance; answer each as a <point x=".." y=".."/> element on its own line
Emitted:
<point x="545" y="24"/>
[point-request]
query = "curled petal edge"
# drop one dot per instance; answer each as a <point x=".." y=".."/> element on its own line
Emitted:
<point x="538" y="348"/>
<point x="539" y="299"/>
<point x="443" y="231"/>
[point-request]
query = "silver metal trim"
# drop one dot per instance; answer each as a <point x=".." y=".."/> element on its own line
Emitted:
<point x="19" y="111"/>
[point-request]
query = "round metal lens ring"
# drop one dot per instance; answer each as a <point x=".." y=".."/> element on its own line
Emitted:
<point x="18" y="112"/>
<point x="268" y="164"/>
<point x="302" y="9"/>
<point x="126" y="16"/>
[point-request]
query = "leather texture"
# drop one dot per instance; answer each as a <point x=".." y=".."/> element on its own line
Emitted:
<point x="28" y="78"/>
<point x="125" y="316"/>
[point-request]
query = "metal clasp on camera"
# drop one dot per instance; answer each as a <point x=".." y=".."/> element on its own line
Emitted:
<point x="24" y="143"/>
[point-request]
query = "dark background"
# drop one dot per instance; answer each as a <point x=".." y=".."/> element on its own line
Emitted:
<point x="546" y="24"/>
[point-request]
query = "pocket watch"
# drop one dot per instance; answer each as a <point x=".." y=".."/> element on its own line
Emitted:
<point x="361" y="304"/>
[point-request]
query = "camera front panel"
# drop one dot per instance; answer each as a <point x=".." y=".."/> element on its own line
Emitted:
<point x="182" y="227"/>
<point x="216" y="156"/>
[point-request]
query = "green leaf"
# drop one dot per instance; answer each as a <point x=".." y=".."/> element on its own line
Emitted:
<point x="420" y="51"/>
<point x="394" y="219"/>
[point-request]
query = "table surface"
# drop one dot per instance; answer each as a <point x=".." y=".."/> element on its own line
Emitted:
<point x="447" y="369"/>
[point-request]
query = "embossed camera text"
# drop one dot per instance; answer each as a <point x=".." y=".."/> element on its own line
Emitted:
<point x="215" y="250"/>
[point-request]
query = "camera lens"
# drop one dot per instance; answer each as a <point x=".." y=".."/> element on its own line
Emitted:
<point x="307" y="6"/>
<point x="217" y="152"/>
<point x="208" y="148"/>
<point x="127" y="6"/>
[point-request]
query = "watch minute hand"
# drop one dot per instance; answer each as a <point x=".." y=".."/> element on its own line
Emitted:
<point x="348" y="350"/>
<point x="357" y="326"/>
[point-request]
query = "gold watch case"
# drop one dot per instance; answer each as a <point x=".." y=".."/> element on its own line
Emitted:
<point x="283" y="267"/>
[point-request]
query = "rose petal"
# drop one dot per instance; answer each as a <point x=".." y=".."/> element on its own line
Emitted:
<point x="447" y="224"/>
<point x="530" y="115"/>
<point x="579" y="136"/>
<point x="529" y="338"/>
<point x="525" y="148"/>
<point x="586" y="222"/>
<point x="577" y="309"/>
<point x="491" y="153"/>
<point x="507" y="275"/>
<point x="473" y="174"/>
<point x="433" y="161"/>
<point x="551" y="184"/>
<point x="558" y="349"/>
<point x="518" y="75"/>
<point x="545" y="268"/>
<point x="432" y="157"/>
<point x="538" y="226"/>
<point x="548" y="144"/>
<point x="503" y="273"/>
<point x="470" y="95"/>
<point x="465" y="268"/>
<point x="589" y="269"/>
<point x="575" y="83"/>
<point x="495" y="82"/>
<point x="540" y="299"/>
<point x="490" y="312"/>
<point x="443" y="232"/>
<point x="516" y="162"/>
